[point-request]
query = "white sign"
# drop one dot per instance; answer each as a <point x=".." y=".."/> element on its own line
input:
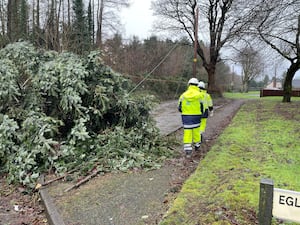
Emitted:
<point x="286" y="205"/>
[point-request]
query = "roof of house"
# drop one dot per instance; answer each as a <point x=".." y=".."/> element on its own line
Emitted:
<point x="271" y="85"/>
<point x="296" y="83"/>
<point x="278" y="85"/>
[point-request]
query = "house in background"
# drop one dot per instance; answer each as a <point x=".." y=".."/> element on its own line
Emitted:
<point x="276" y="88"/>
<point x="274" y="85"/>
<point x="296" y="84"/>
<point x="278" y="85"/>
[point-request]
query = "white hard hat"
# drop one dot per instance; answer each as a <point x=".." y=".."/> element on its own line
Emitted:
<point x="201" y="85"/>
<point x="193" y="81"/>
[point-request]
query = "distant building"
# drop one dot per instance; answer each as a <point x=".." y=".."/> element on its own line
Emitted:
<point x="278" y="85"/>
<point x="274" y="85"/>
<point x="296" y="84"/>
<point x="275" y="89"/>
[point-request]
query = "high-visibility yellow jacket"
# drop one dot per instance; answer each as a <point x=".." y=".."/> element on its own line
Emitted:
<point x="190" y="104"/>
<point x="207" y="103"/>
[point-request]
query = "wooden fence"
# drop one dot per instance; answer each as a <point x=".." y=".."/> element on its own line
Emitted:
<point x="277" y="92"/>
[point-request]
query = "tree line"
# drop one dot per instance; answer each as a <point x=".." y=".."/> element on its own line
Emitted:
<point x="267" y="25"/>
<point x="81" y="26"/>
<point x="71" y="25"/>
<point x="244" y="28"/>
<point x="136" y="59"/>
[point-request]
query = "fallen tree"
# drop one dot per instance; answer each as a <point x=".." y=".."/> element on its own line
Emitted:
<point x="59" y="112"/>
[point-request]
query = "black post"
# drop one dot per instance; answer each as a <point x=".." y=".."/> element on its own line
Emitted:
<point x="266" y="201"/>
<point x="195" y="42"/>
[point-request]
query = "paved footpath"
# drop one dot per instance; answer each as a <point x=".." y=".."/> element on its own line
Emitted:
<point x="167" y="117"/>
<point x="132" y="198"/>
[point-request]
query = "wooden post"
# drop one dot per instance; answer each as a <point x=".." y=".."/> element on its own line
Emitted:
<point x="195" y="42"/>
<point x="266" y="201"/>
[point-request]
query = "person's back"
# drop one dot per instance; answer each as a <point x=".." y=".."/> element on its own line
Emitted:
<point x="208" y="107"/>
<point x="207" y="103"/>
<point x="191" y="107"/>
<point x="191" y="101"/>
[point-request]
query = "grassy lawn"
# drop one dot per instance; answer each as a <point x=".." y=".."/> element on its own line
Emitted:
<point x="249" y="95"/>
<point x="261" y="142"/>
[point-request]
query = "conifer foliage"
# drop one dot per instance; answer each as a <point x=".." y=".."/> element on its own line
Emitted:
<point x="63" y="111"/>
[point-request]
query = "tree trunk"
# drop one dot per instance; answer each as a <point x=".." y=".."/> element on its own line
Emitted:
<point x="287" y="86"/>
<point x="2" y="17"/>
<point x="23" y="17"/>
<point x="57" y="35"/>
<point x="69" y="14"/>
<point x="12" y="20"/>
<point x="213" y="88"/>
<point x="33" y="22"/>
<point x="99" y="24"/>
<point x="38" y="14"/>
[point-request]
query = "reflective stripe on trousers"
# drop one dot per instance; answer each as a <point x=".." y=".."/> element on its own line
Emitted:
<point x="187" y="147"/>
<point x="191" y="136"/>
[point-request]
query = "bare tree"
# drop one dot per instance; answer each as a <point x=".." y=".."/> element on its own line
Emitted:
<point x="50" y="26"/>
<point x="135" y="59"/>
<point x="108" y="17"/>
<point x="37" y="34"/>
<point x="251" y="64"/>
<point x="277" y="23"/>
<point x="66" y="25"/>
<point x="222" y="18"/>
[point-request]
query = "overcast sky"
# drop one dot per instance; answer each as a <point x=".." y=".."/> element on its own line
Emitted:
<point x="138" y="19"/>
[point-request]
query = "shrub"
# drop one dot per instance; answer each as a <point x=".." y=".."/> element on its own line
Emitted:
<point x="64" y="111"/>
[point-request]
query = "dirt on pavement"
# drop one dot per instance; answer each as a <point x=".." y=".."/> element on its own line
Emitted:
<point x="17" y="207"/>
<point x="133" y="198"/>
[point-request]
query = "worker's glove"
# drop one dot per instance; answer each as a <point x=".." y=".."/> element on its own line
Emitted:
<point x="211" y="113"/>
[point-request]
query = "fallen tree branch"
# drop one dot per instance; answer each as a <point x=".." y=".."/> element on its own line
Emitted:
<point x="58" y="178"/>
<point x="87" y="178"/>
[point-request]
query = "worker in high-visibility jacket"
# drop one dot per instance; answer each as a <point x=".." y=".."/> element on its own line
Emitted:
<point x="208" y="108"/>
<point x="190" y="104"/>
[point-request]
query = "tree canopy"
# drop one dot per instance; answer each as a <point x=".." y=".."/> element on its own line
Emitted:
<point x="220" y="23"/>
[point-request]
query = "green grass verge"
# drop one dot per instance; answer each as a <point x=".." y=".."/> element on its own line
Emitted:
<point x="239" y="95"/>
<point x="261" y="142"/>
<point x="254" y="95"/>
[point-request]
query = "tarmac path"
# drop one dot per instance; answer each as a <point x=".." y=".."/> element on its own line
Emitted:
<point x="138" y="197"/>
<point x="167" y="117"/>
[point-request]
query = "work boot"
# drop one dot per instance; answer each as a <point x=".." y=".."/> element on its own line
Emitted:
<point x="197" y="147"/>
<point x="188" y="154"/>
